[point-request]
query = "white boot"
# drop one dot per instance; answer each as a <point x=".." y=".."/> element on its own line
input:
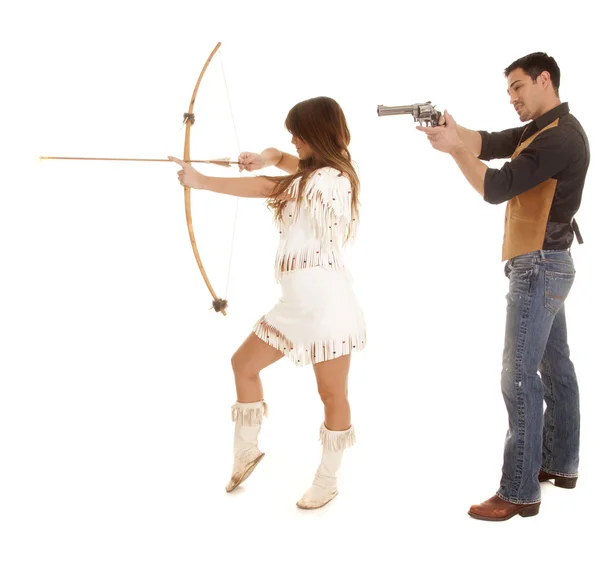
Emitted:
<point x="324" y="486"/>
<point x="246" y="455"/>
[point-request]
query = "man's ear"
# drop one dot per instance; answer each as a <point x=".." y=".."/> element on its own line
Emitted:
<point x="546" y="79"/>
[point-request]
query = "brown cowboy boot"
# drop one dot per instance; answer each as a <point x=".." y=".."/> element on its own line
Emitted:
<point x="559" y="481"/>
<point x="496" y="509"/>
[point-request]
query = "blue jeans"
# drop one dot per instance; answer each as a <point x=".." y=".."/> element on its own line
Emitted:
<point x="536" y="340"/>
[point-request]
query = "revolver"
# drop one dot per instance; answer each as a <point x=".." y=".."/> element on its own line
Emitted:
<point x="421" y="112"/>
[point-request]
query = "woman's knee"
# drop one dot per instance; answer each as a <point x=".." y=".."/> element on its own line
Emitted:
<point x="242" y="365"/>
<point x="332" y="396"/>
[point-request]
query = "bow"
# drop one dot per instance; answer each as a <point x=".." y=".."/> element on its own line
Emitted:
<point x="219" y="304"/>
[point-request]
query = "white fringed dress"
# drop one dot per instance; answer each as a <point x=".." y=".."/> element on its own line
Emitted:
<point x="318" y="317"/>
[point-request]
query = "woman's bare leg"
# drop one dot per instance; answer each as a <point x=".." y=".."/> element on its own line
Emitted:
<point x="337" y="432"/>
<point x="249" y="359"/>
<point x="248" y="411"/>
<point x="332" y="383"/>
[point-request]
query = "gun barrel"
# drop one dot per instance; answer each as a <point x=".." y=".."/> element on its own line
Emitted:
<point x="395" y="110"/>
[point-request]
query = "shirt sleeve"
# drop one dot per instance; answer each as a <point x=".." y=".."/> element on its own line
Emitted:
<point x="326" y="189"/>
<point x="502" y="144"/>
<point x="547" y="155"/>
<point x="328" y="197"/>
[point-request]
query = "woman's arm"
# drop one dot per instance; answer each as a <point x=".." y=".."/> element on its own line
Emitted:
<point x="287" y="162"/>
<point x="269" y="157"/>
<point x="255" y="187"/>
<point x="250" y="187"/>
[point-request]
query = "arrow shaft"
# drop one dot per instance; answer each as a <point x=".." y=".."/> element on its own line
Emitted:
<point x="222" y="162"/>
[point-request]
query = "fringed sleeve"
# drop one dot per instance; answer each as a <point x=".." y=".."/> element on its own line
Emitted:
<point x="328" y="197"/>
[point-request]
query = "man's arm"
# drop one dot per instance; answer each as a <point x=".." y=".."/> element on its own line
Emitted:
<point x="473" y="169"/>
<point x="499" y="145"/>
<point x="464" y="146"/>
<point x="546" y="156"/>
<point x="471" y="139"/>
<point x="549" y="153"/>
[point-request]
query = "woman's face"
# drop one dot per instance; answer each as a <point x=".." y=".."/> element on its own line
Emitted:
<point x="303" y="149"/>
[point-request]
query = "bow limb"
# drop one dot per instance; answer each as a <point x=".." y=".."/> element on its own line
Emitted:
<point x="219" y="304"/>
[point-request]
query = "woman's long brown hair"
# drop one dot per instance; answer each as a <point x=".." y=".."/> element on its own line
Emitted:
<point x="321" y="123"/>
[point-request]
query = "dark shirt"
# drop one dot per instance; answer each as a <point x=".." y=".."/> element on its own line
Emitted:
<point x="561" y="152"/>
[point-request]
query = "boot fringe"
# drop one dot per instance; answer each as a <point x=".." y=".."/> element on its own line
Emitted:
<point x="337" y="440"/>
<point x="249" y="414"/>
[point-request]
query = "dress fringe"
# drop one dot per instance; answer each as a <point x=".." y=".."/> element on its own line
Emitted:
<point x="308" y="257"/>
<point x="313" y="352"/>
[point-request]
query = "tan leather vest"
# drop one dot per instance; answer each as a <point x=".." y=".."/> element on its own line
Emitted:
<point x="527" y="214"/>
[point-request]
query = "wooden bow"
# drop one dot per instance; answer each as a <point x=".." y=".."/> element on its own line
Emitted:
<point x="219" y="304"/>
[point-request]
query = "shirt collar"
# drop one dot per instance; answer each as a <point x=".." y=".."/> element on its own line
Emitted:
<point x="548" y="117"/>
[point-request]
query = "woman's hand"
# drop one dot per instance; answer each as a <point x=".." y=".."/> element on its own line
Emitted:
<point x="189" y="176"/>
<point x="251" y="162"/>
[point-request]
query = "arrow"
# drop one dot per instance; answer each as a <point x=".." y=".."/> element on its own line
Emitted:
<point x="218" y="161"/>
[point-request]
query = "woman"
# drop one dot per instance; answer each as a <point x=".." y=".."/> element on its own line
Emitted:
<point x="318" y="319"/>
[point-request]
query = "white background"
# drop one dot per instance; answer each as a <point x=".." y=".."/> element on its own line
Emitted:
<point x="115" y="438"/>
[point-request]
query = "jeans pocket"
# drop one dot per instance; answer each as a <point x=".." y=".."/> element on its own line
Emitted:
<point x="556" y="289"/>
<point x="521" y="282"/>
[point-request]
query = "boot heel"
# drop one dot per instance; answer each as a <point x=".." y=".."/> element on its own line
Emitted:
<point x="530" y="510"/>
<point x="563" y="482"/>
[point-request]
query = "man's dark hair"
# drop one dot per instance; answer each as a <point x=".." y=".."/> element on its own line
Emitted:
<point x="534" y="65"/>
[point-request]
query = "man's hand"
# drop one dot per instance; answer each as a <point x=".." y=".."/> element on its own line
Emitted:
<point x="446" y="139"/>
<point x="188" y="176"/>
<point x="445" y="136"/>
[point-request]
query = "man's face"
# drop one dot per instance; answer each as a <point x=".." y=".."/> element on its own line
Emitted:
<point x="526" y="96"/>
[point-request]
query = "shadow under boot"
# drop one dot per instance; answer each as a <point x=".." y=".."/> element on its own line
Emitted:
<point x="324" y="487"/>
<point x="248" y="419"/>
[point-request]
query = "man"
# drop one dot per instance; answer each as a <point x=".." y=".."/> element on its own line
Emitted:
<point x="543" y="184"/>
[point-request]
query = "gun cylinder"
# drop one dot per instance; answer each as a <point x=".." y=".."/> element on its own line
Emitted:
<point x="396" y="110"/>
